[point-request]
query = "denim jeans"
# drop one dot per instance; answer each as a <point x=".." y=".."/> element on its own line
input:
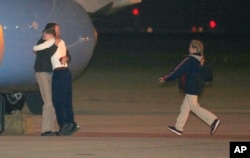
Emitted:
<point x="62" y="96"/>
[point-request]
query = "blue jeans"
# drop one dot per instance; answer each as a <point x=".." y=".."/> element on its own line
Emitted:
<point x="62" y="96"/>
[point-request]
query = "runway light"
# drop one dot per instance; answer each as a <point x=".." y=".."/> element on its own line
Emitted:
<point x="200" y="29"/>
<point x="212" y="24"/>
<point x="194" y="29"/>
<point x="149" y="29"/>
<point x="135" y="11"/>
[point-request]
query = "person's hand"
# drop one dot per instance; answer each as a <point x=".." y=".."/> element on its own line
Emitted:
<point x="161" y="80"/>
<point x="64" y="60"/>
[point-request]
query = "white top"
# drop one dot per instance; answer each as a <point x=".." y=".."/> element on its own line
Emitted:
<point x="60" y="52"/>
<point x="44" y="45"/>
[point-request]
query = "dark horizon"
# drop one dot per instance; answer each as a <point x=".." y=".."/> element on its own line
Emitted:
<point x="180" y="16"/>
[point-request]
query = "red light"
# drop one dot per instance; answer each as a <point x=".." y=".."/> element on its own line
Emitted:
<point x="135" y="11"/>
<point x="212" y="24"/>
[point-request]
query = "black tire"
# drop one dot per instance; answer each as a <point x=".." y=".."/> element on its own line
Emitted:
<point x="34" y="102"/>
<point x="13" y="101"/>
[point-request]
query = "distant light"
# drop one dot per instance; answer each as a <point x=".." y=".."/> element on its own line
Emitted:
<point x="212" y="24"/>
<point x="135" y="11"/>
<point x="150" y="29"/>
<point x="200" y="29"/>
<point x="197" y="29"/>
<point x="194" y="29"/>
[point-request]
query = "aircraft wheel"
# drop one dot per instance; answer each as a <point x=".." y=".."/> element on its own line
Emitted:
<point x="13" y="101"/>
<point x="34" y="102"/>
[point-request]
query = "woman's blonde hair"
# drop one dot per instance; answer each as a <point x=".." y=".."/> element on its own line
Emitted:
<point x="198" y="45"/>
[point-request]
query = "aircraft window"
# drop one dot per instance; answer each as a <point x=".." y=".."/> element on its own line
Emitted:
<point x="1" y="43"/>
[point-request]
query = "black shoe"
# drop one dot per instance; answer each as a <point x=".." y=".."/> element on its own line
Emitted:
<point x="176" y="131"/>
<point x="214" y="126"/>
<point x="66" y="128"/>
<point x="49" y="133"/>
<point x="75" y="128"/>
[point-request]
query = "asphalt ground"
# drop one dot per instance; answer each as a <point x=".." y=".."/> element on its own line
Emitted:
<point x="135" y="136"/>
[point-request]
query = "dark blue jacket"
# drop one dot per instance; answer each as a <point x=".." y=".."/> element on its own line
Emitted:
<point x="190" y="72"/>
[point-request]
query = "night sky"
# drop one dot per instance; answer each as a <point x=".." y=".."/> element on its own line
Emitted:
<point x="231" y="16"/>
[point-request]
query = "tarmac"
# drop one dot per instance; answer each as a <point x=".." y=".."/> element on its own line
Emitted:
<point x="130" y="136"/>
<point x="135" y="125"/>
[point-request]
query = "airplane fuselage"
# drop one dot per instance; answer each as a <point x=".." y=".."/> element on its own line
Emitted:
<point x="21" y="24"/>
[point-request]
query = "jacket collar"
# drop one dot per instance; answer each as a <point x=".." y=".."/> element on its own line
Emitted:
<point x="196" y="56"/>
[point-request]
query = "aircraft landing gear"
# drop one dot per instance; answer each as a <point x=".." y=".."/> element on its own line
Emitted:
<point x="13" y="101"/>
<point x="16" y="101"/>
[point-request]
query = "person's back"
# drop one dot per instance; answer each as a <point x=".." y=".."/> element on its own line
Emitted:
<point x="44" y="49"/>
<point x="194" y="83"/>
<point x="42" y="63"/>
<point x="206" y="72"/>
